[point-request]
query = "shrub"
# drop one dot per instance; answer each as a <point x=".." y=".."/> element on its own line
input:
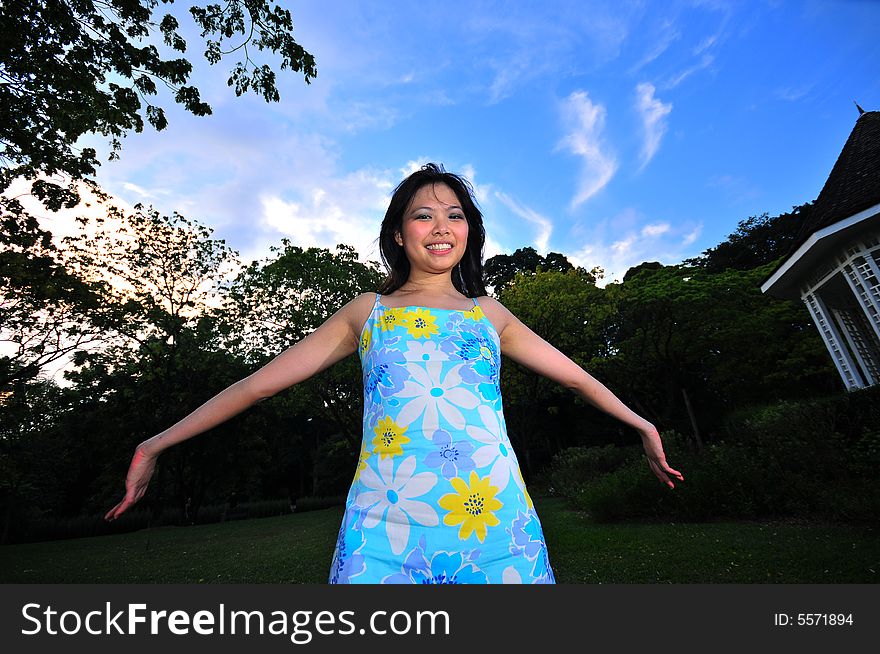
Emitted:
<point x="576" y="467"/>
<point x="760" y="478"/>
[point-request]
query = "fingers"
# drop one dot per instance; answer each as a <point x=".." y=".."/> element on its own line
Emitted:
<point x="122" y="507"/>
<point x="674" y="472"/>
<point x="114" y="513"/>
<point x="660" y="470"/>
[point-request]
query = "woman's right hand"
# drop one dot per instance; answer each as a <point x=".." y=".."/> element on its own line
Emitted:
<point x="143" y="463"/>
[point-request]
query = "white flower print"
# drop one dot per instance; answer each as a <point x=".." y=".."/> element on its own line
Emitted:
<point x="495" y="451"/>
<point x="421" y="351"/>
<point x="395" y="493"/>
<point x="430" y="394"/>
<point x="510" y="576"/>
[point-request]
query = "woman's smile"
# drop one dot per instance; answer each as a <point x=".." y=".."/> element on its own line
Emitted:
<point x="434" y="223"/>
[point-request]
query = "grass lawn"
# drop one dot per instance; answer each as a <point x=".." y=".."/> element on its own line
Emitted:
<point x="298" y="548"/>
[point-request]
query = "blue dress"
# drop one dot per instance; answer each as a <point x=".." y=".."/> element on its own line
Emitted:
<point x="437" y="496"/>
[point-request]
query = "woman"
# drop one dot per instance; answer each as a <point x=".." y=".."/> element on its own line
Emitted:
<point x="437" y="495"/>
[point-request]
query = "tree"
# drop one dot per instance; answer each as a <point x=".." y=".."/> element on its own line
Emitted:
<point x="161" y="275"/>
<point x="691" y="345"/>
<point x="557" y="306"/>
<point x="75" y="67"/>
<point x="757" y="241"/>
<point x="275" y="303"/>
<point x="42" y="305"/>
<point x="161" y="271"/>
<point x="501" y="269"/>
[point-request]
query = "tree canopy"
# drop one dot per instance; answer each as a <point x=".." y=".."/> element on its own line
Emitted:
<point x="757" y="241"/>
<point x="75" y="67"/>
<point x="501" y="269"/>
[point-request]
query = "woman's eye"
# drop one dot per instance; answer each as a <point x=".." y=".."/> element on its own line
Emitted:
<point x="456" y="216"/>
<point x="423" y="216"/>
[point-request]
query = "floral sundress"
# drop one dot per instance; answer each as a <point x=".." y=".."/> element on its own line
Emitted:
<point x="437" y="496"/>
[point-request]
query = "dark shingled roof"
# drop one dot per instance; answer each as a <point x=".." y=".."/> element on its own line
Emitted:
<point x="854" y="182"/>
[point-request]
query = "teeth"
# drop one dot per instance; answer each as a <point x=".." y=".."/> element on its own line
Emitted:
<point x="440" y="246"/>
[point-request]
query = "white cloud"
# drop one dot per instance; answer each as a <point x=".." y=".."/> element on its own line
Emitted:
<point x="328" y="212"/>
<point x="692" y="236"/>
<point x="706" y="61"/>
<point x="653" y="113"/>
<point x="793" y="94"/>
<point x="585" y="122"/>
<point x="522" y="42"/>
<point x="705" y="44"/>
<point x="481" y="191"/>
<point x="626" y="240"/>
<point x="669" y="33"/>
<point x="545" y="226"/>
<point x="655" y="230"/>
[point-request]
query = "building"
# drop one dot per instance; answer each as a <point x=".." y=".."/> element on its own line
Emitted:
<point x="833" y="264"/>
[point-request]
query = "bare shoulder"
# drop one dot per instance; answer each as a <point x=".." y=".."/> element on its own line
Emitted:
<point x="498" y="314"/>
<point x="358" y="310"/>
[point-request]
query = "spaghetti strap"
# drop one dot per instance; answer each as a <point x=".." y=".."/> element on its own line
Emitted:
<point x="475" y="301"/>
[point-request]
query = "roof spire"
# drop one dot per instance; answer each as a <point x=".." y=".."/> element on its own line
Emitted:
<point x="861" y="111"/>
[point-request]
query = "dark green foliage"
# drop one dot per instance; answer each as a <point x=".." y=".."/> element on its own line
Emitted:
<point x="577" y="467"/>
<point x="757" y="241"/>
<point x="500" y="270"/>
<point x="58" y="58"/>
<point x="713" y="337"/>
<point x="807" y="459"/>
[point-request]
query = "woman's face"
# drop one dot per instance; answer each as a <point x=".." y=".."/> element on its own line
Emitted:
<point x="434" y="230"/>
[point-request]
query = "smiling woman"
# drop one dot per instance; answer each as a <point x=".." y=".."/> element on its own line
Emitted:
<point x="437" y="495"/>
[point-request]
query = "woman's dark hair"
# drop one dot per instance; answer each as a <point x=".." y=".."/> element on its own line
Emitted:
<point x="467" y="276"/>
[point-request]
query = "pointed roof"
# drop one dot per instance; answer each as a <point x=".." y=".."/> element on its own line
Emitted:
<point x="842" y="210"/>
<point x="854" y="182"/>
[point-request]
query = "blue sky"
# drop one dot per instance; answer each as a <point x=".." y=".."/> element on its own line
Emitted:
<point x="613" y="132"/>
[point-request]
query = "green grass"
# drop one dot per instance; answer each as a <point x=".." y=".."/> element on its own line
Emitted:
<point x="298" y="548"/>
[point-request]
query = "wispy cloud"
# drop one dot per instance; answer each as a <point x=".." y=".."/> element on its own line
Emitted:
<point x="617" y="244"/>
<point x="793" y="94"/>
<point x="653" y="114"/>
<point x="705" y="61"/>
<point x="544" y="224"/>
<point x="692" y="236"/>
<point x="705" y="44"/>
<point x="669" y="33"/>
<point x="518" y="43"/>
<point x="585" y="122"/>
<point x="736" y="190"/>
<point x="655" y="230"/>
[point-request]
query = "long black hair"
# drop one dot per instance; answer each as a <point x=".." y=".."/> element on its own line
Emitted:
<point x="467" y="276"/>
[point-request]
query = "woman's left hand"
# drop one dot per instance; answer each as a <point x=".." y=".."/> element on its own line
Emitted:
<point x="656" y="458"/>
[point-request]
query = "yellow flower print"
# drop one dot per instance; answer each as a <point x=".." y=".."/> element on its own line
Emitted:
<point x="471" y="506"/>
<point x="362" y="461"/>
<point x="522" y="485"/>
<point x="390" y="318"/>
<point x="420" y="323"/>
<point x="389" y="438"/>
<point x="366" y="337"/>
<point x="475" y="314"/>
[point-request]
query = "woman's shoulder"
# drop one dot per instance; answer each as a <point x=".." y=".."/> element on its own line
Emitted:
<point x="487" y="301"/>
<point x="499" y="315"/>
<point x="357" y="310"/>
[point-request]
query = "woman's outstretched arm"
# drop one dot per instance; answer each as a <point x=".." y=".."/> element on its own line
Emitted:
<point x="331" y="342"/>
<point x="527" y="348"/>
